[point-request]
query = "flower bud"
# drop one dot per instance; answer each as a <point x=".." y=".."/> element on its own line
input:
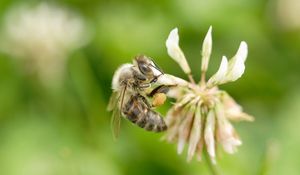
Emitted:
<point x="184" y="129"/>
<point x="230" y="71"/>
<point x="236" y="65"/>
<point x="175" y="52"/>
<point x="220" y="75"/>
<point x="195" y="135"/>
<point x="209" y="135"/>
<point x="206" y="50"/>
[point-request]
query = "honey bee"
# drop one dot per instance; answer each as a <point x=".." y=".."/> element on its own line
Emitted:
<point x="130" y="83"/>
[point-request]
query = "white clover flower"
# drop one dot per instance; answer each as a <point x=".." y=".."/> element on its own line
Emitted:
<point x="287" y="14"/>
<point x="202" y="112"/>
<point x="43" y="36"/>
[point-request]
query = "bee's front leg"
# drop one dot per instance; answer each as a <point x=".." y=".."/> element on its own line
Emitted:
<point x="160" y="89"/>
<point x="144" y="85"/>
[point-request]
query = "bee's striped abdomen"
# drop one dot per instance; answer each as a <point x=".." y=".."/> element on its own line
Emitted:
<point x="140" y="114"/>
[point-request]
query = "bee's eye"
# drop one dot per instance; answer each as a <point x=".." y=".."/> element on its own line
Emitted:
<point x="144" y="69"/>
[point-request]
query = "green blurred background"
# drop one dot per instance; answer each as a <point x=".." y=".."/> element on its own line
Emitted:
<point x="65" y="129"/>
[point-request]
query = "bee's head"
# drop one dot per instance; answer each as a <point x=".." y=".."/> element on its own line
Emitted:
<point x="147" y="67"/>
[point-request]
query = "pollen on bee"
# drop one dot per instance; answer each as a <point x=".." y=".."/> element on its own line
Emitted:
<point x="159" y="99"/>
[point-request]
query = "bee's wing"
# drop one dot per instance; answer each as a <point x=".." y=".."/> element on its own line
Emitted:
<point x="116" y="122"/>
<point x="117" y="113"/>
<point x="113" y="100"/>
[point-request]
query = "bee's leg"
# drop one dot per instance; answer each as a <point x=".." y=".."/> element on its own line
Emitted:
<point x="140" y="78"/>
<point x="153" y="80"/>
<point x="160" y="89"/>
<point x="144" y="85"/>
<point x="145" y="100"/>
<point x="159" y="94"/>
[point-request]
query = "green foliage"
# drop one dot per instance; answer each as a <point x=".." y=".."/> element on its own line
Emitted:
<point x="66" y="130"/>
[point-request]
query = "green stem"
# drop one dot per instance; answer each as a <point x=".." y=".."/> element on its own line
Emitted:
<point x="269" y="157"/>
<point x="211" y="167"/>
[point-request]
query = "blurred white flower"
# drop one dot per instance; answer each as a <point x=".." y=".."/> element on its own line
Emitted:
<point x="43" y="36"/>
<point x="200" y="117"/>
<point x="288" y="12"/>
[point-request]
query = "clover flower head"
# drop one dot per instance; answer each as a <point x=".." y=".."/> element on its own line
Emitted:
<point x="201" y="116"/>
